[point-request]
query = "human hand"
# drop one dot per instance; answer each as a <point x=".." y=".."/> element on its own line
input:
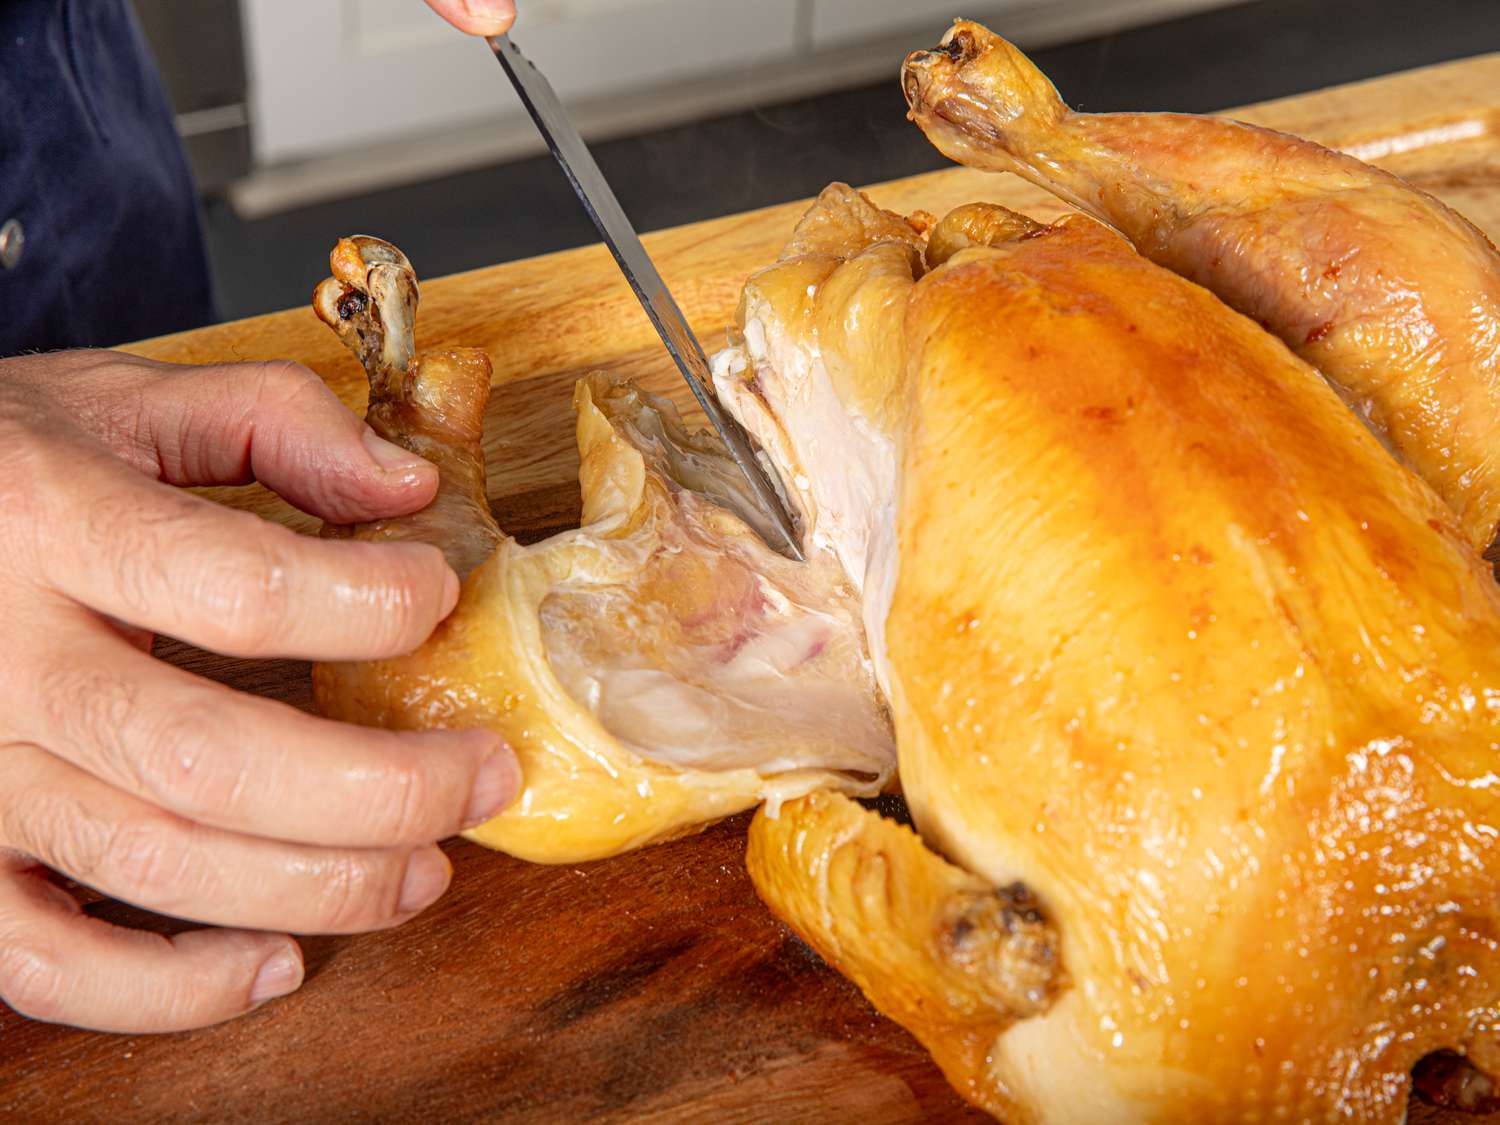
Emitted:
<point x="477" y="17"/>
<point x="169" y="791"/>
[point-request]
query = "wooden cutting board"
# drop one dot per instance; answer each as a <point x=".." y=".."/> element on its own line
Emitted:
<point x="654" y="986"/>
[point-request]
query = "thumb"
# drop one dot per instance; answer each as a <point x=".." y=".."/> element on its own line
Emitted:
<point x="278" y="423"/>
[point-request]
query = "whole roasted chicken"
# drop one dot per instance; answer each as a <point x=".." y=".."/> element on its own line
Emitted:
<point x="1194" y="687"/>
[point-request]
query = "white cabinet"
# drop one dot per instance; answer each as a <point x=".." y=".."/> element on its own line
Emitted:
<point x="332" y="74"/>
<point x="840" y="23"/>
<point x="836" y="22"/>
<point x="350" y="95"/>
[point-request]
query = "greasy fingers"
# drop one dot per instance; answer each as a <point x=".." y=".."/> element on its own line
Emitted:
<point x="99" y="553"/>
<point x="240" y="762"/>
<point x="134" y="852"/>
<point x="277" y="423"/>
<point x="221" y="579"/>
<point x="59" y="965"/>
<point x="165" y="789"/>
<point x="78" y="519"/>
<point x="477" y="17"/>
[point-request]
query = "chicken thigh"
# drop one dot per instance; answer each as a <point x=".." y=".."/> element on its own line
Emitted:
<point x="1393" y="296"/>
<point x="1196" y="690"/>
<point x="658" y="668"/>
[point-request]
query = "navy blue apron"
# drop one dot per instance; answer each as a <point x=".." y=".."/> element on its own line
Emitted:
<point x="93" y="184"/>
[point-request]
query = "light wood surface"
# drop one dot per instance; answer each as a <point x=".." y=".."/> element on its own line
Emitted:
<point x="653" y="986"/>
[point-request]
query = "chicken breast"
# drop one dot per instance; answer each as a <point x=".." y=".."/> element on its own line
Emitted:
<point x="656" y="669"/>
<point x="1393" y="296"/>
<point x="1197" y="698"/>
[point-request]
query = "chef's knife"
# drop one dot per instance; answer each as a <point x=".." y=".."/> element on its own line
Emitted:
<point x="618" y="234"/>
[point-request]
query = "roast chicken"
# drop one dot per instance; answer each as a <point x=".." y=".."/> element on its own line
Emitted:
<point x="1195" y="690"/>
<point x="1193" y="686"/>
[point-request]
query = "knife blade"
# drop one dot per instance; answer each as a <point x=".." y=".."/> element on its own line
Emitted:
<point x="619" y="235"/>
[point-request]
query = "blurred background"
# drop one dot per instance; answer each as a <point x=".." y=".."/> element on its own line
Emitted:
<point x="305" y="120"/>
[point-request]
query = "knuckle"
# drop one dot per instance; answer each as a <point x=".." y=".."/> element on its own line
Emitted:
<point x="247" y="592"/>
<point x="149" y="863"/>
<point x="184" y="765"/>
<point x="32" y="982"/>
<point x="284" y="382"/>
<point x="399" y="813"/>
<point x="58" y="829"/>
<point x="346" y="492"/>
<point x="346" y="894"/>
<point x="91" y="710"/>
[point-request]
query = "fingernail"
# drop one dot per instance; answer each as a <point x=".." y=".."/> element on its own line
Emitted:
<point x="490" y="17"/>
<point x="279" y="976"/>
<point x="427" y="873"/>
<point x="390" y="457"/>
<point x="495" y="787"/>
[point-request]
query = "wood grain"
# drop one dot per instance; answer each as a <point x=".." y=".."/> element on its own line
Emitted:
<point x="653" y="987"/>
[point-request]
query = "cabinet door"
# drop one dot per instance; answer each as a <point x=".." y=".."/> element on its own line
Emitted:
<point x="837" y="22"/>
<point x="333" y="73"/>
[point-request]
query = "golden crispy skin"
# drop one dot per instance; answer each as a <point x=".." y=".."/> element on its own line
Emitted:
<point x="936" y="948"/>
<point x="975" y="224"/>
<point x="1393" y="296"/>
<point x="1178" y="646"/>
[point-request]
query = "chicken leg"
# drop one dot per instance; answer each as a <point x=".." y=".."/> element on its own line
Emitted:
<point x="1393" y="296"/>
<point x="432" y="404"/>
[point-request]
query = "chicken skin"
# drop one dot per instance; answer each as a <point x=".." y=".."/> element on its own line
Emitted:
<point x="655" y="670"/>
<point x="1196" y="690"/>
<point x="1193" y="688"/>
<point x="1393" y="296"/>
